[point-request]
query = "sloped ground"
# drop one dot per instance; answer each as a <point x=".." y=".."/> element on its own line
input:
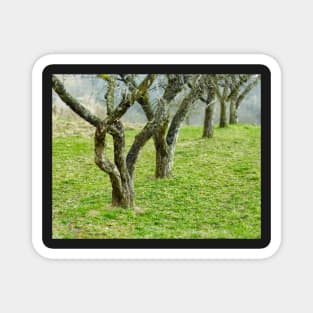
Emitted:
<point x="214" y="192"/>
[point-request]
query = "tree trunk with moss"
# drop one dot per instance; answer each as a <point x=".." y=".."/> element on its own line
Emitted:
<point x="161" y="150"/>
<point x="166" y="135"/>
<point x="121" y="170"/>
<point x="121" y="181"/>
<point x="164" y="156"/>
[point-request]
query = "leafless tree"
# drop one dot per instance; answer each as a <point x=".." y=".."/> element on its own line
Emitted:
<point x="167" y="131"/>
<point x="122" y="169"/>
<point x="220" y="85"/>
<point x="239" y="86"/>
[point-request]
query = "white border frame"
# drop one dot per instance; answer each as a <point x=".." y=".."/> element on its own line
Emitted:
<point x="156" y="59"/>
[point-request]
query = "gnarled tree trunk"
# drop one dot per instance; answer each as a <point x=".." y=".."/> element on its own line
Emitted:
<point x="121" y="181"/>
<point x="166" y="133"/>
<point x="121" y="171"/>
<point x="124" y="197"/>
<point x="164" y="153"/>
<point x="164" y="157"/>
<point x="167" y="144"/>
<point x="161" y="151"/>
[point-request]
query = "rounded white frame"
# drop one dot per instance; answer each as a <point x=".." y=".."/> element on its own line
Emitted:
<point x="156" y="59"/>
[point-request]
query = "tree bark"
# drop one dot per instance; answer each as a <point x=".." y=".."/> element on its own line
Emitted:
<point x="208" y="125"/>
<point x="164" y="152"/>
<point x="166" y="134"/>
<point x="161" y="151"/>
<point x="222" y="97"/>
<point x="162" y="170"/>
<point x="122" y="197"/>
<point x="120" y="172"/>
<point x="122" y="183"/>
<point x="233" y="113"/>
<point x="167" y="145"/>
<point x="164" y="163"/>
<point x="223" y="116"/>
<point x="70" y="101"/>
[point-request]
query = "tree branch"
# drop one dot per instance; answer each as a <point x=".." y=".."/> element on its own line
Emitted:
<point x="128" y="101"/>
<point x="248" y="88"/>
<point x="100" y="156"/>
<point x="146" y="106"/>
<point x="216" y="87"/>
<point x="182" y="111"/>
<point x="140" y="140"/>
<point x="144" y="135"/>
<point x="109" y="95"/>
<point x="70" y="101"/>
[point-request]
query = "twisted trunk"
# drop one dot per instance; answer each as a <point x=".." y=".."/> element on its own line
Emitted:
<point x="164" y="152"/>
<point x="166" y="143"/>
<point x="121" y="171"/>
<point x="162" y="169"/>
<point x="166" y="134"/>
<point x="121" y="181"/>
<point x="122" y="196"/>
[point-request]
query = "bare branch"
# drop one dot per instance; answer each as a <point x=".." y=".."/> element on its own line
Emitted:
<point x="144" y="135"/>
<point x="146" y="105"/>
<point x="109" y="95"/>
<point x="216" y="87"/>
<point x="247" y="89"/>
<point x="100" y="156"/>
<point x="182" y="111"/>
<point x="128" y="101"/>
<point x="70" y="101"/>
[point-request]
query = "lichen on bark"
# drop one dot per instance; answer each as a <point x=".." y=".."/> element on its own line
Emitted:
<point x="121" y="170"/>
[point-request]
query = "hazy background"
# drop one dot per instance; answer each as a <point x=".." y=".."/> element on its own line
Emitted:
<point x="90" y="90"/>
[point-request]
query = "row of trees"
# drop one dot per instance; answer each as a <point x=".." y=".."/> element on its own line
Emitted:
<point x="229" y="91"/>
<point x="165" y="115"/>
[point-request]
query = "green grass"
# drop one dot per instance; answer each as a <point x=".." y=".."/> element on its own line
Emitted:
<point x="214" y="192"/>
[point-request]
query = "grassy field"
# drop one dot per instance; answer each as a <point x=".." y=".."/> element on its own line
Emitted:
<point x="214" y="192"/>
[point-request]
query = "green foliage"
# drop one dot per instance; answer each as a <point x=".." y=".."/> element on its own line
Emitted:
<point x="214" y="193"/>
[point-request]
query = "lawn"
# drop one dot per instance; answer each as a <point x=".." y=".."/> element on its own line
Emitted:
<point x="214" y="192"/>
